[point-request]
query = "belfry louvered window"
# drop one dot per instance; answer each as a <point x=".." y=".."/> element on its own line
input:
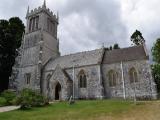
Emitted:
<point x="33" y="23"/>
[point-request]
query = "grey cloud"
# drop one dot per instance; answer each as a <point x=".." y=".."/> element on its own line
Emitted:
<point x="105" y="24"/>
<point x="84" y="24"/>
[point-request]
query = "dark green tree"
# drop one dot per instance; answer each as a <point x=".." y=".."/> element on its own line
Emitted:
<point x="156" y="51"/>
<point x="137" y="38"/>
<point x="116" y="46"/>
<point x="10" y="40"/>
<point x="156" y="76"/>
<point x="156" y="66"/>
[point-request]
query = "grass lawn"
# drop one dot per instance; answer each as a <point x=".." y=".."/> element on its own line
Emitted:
<point x="89" y="110"/>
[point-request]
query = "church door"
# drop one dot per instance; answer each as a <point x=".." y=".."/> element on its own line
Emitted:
<point x="57" y="91"/>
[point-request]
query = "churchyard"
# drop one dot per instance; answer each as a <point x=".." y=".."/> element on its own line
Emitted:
<point x="89" y="110"/>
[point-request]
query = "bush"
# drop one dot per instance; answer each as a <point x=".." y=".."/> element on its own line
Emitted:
<point x="3" y="101"/>
<point x="29" y="98"/>
<point x="9" y="96"/>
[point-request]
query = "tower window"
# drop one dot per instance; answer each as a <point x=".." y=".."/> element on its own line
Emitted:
<point x="30" y="25"/>
<point x="27" y="78"/>
<point x="37" y="22"/>
<point x="33" y="23"/>
<point x="48" y="22"/>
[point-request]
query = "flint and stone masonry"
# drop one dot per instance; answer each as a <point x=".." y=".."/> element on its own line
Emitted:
<point x="96" y="74"/>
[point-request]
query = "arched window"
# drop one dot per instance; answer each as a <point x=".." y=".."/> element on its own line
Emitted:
<point x="47" y="79"/>
<point x="82" y="79"/>
<point x="112" y="75"/>
<point x="133" y="75"/>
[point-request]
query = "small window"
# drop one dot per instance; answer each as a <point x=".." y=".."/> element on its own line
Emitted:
<point x="27" y="78"/>
<point x="112" y="75"/>
<point x="30" y="25"/>
<point x="33" y="24"/>
<point x="82" y="79"/>
<point x="37" y="22"/>
<point x="133" y="75"/>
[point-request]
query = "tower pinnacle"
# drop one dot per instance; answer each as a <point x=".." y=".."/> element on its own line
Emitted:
<point x="27" y="10"/>
<point x="44" y="4"/>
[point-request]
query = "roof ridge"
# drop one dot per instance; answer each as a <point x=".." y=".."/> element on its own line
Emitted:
<point x="135" y="46"/>
<point x="80" y="52"/>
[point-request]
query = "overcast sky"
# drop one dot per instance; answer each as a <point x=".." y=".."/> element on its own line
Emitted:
<point x="87" y="24"/>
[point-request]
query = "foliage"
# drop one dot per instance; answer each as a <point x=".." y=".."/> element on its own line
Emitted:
<point x="137" y="38"/>
<point x="115" y="46"/>
<point x="156" y="66"/>
<point x="3" y="101"/>
<point x="156" y="51"/>
<point x="10" y="40"/>
<point x="29" y="98"/>
<point x="156" y="75"/>
<point x="9" y="96"/>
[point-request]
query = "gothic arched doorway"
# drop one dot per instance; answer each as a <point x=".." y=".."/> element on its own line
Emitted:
<point x="57" y="91"/>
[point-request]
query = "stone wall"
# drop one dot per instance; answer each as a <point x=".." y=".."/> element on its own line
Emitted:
<point x="20" y="81"/>
<point x="94" y="87"/>
<point x="145" y="86"/>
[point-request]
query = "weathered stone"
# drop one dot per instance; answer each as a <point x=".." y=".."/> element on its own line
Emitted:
<point x="58" y="77"/>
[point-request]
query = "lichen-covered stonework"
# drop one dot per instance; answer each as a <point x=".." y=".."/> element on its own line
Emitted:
<point x="83" y="75"/>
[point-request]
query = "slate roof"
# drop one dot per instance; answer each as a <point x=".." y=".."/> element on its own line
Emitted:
<point x="125" y="54"/>
<point x="98" y="56"/>
<point x="77" y="59"/>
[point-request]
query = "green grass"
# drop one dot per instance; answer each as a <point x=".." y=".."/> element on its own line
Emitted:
<point x="81" y="110"/>
<point x="89" y="110"/>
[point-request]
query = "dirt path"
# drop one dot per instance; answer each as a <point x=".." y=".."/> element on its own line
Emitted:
<point x="8" y="108"/>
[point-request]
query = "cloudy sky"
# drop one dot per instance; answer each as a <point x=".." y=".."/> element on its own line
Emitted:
<point x="88" y="24"/>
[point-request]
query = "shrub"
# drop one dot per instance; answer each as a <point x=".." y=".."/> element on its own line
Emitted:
<point x="29" y="98"/>
<point x="9" y="96"/>
<point x="3" y="101"/>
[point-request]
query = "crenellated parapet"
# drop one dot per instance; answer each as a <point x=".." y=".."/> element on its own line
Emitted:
<point x="31" y="13"/>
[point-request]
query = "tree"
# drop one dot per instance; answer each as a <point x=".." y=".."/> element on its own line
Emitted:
<point x="156" y="66"/>
<point x="116" y="46"/>
<point x="156" y="51"/>
<point x="156" y="75"/>
<point x="10" y="40"/>
<point x="137" y="38"/>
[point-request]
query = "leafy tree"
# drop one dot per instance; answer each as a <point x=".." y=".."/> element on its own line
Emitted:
<point x="156" y="75"/>
<point x="10" y="40"/>
<point x="137" y="38"/>
<point x="116" y="46"/>
<point x="156" y="67"/>
<point x="156" y="51"/>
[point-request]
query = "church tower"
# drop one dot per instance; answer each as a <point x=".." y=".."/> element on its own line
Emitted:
<point x="40" y="43"/>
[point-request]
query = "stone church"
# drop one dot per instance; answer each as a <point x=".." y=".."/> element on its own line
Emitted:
<point x="96" y="74"/>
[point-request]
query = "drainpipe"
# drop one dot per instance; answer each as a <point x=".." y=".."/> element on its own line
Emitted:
<point x="100" y="81"/>
<point x="73" y="79"/>
<point x="123" y="81"/>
